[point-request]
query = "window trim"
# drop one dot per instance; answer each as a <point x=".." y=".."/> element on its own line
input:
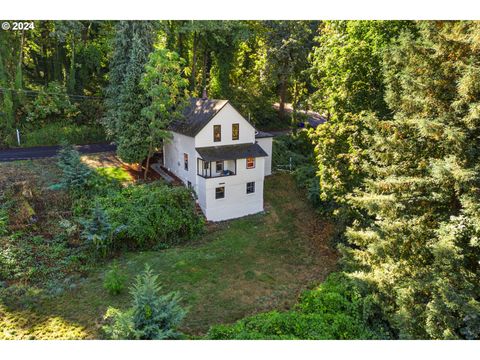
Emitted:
<point x="253" y="186"/>
<point x="219" y="127"/>
<point x="238" y="131"/>
<point x="253" y="162"/>
<point x="185" y="161"/>
<point x="216" y="192"/>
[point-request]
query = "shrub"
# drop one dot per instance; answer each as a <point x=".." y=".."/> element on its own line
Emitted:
<point x="152" y="316"/>
<point x="59" y="132"/>
<point x="151" y="214"/>
<point x="51" y="104"/>
<point x="114" y="281"/>
<point x="98" y="232"/>
<point x="334" y="310"/>
<point x="75" y="173"/>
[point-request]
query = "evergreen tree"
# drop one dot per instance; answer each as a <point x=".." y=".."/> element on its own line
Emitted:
<point x="125" y="98"/>
<point x="421" y="251"/>
<point x="166" y="88"/>
<point x="98" y="231"/>
<point x="151" y="317"/>
<point x="75" y="174"/>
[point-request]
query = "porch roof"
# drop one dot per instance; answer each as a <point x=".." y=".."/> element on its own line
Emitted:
<point x="231" y="152"/>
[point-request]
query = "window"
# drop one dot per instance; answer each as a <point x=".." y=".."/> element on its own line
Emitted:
<point x="185" y="161"/>
<point x="217" y="133"/>
<point x="251" y="187"/>
<point x="235" y="131"/>
<point x="250" y="163"/>
<point x="220" y="192"/>
<point x="219" y="166"/>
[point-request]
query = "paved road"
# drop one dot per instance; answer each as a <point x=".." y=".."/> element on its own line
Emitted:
<point x="39" y="152"/>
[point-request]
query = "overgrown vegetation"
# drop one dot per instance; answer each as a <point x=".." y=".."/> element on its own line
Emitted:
<point x="335" y="310"/>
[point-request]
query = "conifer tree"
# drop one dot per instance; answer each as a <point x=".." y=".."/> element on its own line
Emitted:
<point x="421" y="250"/>
<point x="75" y="174"/>
<point x="151" y="317"/>
<point x="125" y="98"/>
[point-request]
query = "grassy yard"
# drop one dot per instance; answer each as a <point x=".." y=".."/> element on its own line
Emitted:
<point x="237" y="268"/>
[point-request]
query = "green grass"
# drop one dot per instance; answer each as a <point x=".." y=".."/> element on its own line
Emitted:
<point x="238" y="268"/>
<point x="55" y="133"/>
<point x="114" y="173"/>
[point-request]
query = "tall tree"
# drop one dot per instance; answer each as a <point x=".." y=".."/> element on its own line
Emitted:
<point x="166" y="89"/>
<point x="347" y="72"/>
<point x="125" y="98"/>
<point x="421" y="251"/>
<point x="288" y="45"/>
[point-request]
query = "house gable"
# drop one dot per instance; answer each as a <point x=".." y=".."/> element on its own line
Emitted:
<point x="225" y="117"/>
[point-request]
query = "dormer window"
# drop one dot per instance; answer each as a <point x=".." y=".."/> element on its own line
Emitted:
<point x="217" y="133"/>
<point x="235" y="131"/>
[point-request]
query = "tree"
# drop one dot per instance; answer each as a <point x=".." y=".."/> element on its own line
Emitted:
<point x="419" y="248"/>
<point x="288" y="45"/>
<point x="51" y="104"/>
<point x="75" y="174"/>
<point x="347" y="72"/>
<point x="346" y="65"/>
<point x="125" y="98"/>
<point x="166" y="89"/>
<point x="98" y="232"/>
<point x="151" y="317"/>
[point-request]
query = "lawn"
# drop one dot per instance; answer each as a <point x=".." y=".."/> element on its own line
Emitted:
<point x="237" y="268"/>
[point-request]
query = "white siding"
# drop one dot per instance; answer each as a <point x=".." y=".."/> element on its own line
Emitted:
<point x="173" y="152"/>
<point x="226" y="117"/>
<point x="266" y="144"/>
<point x="237" y="202"/>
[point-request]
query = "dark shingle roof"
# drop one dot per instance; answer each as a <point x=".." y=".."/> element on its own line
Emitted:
<point x="196" y="115"/>
<point x="262" y="134"/>
<point x="231" y="152"/>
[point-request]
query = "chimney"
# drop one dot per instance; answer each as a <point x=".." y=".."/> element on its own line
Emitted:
<point x="204" y="93"/>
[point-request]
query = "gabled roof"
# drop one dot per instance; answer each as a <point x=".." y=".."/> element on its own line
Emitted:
<point x="196" y="115"/>
<point x="231" y="152"/>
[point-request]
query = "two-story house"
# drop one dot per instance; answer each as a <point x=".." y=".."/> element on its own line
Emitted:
<point x="221" y="156"/>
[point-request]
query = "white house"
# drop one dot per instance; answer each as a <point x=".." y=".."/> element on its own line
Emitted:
<point x="219" y="154"/>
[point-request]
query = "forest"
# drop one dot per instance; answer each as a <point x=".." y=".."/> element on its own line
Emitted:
<point x="395" y="168"/>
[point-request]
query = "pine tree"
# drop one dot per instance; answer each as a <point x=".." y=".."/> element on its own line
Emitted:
<point x="98" y="231"/>
<point x="151" y="317"/>
<point x="75" y="174"/>
<point x="125" y="98"/>
<point x="421" y="250"/>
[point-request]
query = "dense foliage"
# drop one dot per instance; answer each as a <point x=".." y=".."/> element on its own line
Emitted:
<point x="151" y="317"/>
<point x="421" y="249"/>
<point x="151" y="214"/>
<point x="335" y="310"/>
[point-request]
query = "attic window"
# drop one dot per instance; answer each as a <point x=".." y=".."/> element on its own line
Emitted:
<point x="235" y="131"/>
<point x="217" y="133"/>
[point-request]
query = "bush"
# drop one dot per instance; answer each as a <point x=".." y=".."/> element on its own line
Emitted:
<point x="152" y="316"/>
<point x="51" y="104"/>
<point x="59" y="132"/>
<point x="334" y="310"/>
<point x="114" y="281"/>
<point x="152" y="214"/>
